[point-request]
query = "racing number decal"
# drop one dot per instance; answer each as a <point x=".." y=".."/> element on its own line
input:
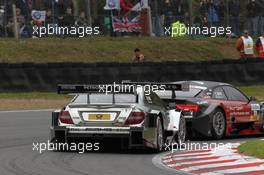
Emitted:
<point x="255" y="108"/>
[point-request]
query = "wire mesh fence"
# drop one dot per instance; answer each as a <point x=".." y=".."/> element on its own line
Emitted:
<point x="237" y="14"/>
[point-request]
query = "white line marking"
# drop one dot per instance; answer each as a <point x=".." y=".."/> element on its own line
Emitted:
<point x="186" y="154"/>
<point x="205" y="161"/>
<point x="221" y="154"/>
<point x="193" y="157"/>
<point x="242" y="170"/>
<point x="239" y="162"/>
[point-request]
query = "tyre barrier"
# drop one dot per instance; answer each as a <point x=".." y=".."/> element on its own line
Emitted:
<point x="45" y="77"/>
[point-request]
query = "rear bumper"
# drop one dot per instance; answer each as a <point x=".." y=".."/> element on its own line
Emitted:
<point x="99" y="130"/>
<point x="134" y="135"/>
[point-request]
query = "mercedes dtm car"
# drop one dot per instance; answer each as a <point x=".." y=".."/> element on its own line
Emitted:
<point x="217" y="109"/>
<point x="138" y="118"/>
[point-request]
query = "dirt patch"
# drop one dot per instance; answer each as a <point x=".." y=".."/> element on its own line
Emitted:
<point x="8" y="104"/>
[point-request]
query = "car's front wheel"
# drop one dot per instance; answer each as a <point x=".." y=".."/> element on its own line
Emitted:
<point x="218" y="124"/>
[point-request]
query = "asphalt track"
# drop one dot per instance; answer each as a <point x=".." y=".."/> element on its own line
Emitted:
<point x="20" y="129"/>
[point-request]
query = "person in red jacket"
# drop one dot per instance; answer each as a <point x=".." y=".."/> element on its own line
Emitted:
<point x="126" y="6"/>
<point x="260" y="46"/>
<point x="245" y="46"/>
<point x="139" y="56"/>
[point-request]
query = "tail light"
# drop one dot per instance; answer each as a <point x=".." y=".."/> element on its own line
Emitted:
<point x="135" y="118"/>
<point x="188" y="107"/>
<point x="65" y="117"/>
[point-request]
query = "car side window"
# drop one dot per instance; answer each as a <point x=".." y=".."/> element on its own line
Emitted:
<point x="219" y="94"/>
<point x="234" y="94"/>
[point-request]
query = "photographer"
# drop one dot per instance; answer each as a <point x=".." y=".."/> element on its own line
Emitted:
<point x="253" y="11"/>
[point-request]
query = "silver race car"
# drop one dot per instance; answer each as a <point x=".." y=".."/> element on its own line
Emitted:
<point x="138" y="117"/>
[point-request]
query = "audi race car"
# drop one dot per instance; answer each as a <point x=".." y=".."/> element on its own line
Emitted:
<point x="217" y="110"/>
<point x="138" y="118"/>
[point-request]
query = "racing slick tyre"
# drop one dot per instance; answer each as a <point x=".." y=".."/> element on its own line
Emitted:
<point x="159" y="136"/>
<point x="180" y="136"/>
<point x="218" y="124"/>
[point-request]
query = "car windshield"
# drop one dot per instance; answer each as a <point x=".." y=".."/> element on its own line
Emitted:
<point x="168" y="94"/>
<point x="97" y="98"/>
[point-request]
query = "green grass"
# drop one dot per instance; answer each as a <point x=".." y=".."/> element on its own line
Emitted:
<point x="120" y="49"/>
<point x="256" y="91"/>
<point x="32" y="95"/>
<point x="253" y="148"/>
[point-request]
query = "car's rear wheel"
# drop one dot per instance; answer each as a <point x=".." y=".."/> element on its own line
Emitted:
<point x="218" y="124"/>
<point x="181" y="134"/>
<point x="159" y="136"/>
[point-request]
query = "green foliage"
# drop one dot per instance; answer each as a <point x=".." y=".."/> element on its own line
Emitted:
<point x="109" y="49"/>
<point x="253" y="148"/>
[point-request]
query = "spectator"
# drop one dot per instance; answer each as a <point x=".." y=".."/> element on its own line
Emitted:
<point x="260" y="46"/>
<point x="63" y="5"/>
<point x="157" y="17"/>
<point x="68" y="19"/>
<point x="261" y="4"/>
<point x="24" y="8"/>
<point x="203" y="8"/>
<point x="49" y="17"/>
<point x="205" y="22"/>
<point x="26" y="30"/>
<point x="20" y="17"/>
<point x="168" y="13"/>
<point x="245" y="46"/>
<point x="81" y="20"/>
<point x="221" y="12"/>
<point x="234" y="12"/>
<point x="253" y="11"/>
<point x="20" y="23"/>
<point x="60" y="8"/>
<point x="138" y="57"/>
<point x="213" y="13"/>
<point x="181" y="10"/>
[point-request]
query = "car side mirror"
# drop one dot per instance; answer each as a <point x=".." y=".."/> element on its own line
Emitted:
<point x="252" y="98"/>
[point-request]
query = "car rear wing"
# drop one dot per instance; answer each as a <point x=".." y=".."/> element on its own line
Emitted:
<point x="93" y="88"/>
<point x="173" y="87"/>
<point x="162" y="86"/>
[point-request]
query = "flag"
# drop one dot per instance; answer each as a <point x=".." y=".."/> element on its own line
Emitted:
<point x="124" y="24"/>
<point x="143" y="4"/>
<point x="112" y="5"/>
<point x="38" y="15"/>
